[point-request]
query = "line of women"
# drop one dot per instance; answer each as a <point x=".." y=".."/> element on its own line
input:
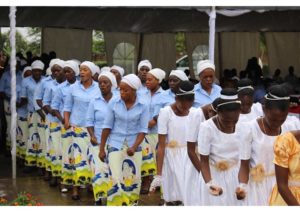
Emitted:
<point x="200" y="144"/>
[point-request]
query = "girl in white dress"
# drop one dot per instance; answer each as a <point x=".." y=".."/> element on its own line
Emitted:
<point x="249" y="111"/>
<point x="193" y="166"/>
<point x="173" y="122"/>
<point x="218" y="145"/>
<point x="256" y="153"/>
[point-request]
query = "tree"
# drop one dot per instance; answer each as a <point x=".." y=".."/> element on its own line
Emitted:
<point x="98" y="43"/>
<point x="180" y="44"/>
<point x="21" y="43"/>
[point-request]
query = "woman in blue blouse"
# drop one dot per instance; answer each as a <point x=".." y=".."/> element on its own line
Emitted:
<point x="96" y="114"/>
<point x="75" y="110"/>
<point x="124" y="129"/>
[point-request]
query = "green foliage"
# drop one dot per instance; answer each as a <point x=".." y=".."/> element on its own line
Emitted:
<point x="98" y="43"/>
<point x="180" y="43"/>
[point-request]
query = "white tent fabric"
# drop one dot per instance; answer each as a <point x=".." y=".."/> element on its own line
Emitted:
<point x="12" y="38"/>
<point x="283" y="51"/>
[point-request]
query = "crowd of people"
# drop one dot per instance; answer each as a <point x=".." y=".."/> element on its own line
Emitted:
<point x="197" y="143"/>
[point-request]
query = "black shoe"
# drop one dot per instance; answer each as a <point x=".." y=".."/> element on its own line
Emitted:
<point x="97" y="203"/>
<point x="28" y="169"/>
<point x="53" y="182"/>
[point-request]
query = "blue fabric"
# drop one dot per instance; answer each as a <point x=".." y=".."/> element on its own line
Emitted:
<point x="29" y="86"/>
<point x="77" y="102"/>
<point x="203" y="98"/>
<point x="97" y="110"/>
<point x="126" y="124"/>
<point x="5" y="82"/>
<point x="154" y="103"/>
<point x="168" y="98"/>
<point x="22" y="111"/>
<point x="48" y="97"/>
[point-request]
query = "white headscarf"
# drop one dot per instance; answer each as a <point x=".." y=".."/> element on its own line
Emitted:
<point x="132" y="80"/>
<point x="111" y="77"/>
<point x="104" y="69"/>
<point x="52" y="62"/>
<point x="76" y="61"/>
<point x="204" y="64"/>
<point x="180" y="74"/>
<point x="119" y="69"/>
<point x="145" y="63"/>
<point x="37" y="64"/>
<point x="48" y="71"/>
<point x="90" y="65"/>
<point x="59" y="62"/>
<point x="97" y="69"/>
<point x="27" y="68"/>
<point x="73" y="65"/>
<point x="158" y="74"/>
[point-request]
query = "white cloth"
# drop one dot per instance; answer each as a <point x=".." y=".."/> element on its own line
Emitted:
<point x="144" y="63"/>
<point x="258" y="147"/>
<point x="76" y="61"/>
<point x="180" y="74"/>
<point x="96" y="69"/>
<point x="158" y="74"/>
<point x="119" y="69"/>
<point x="37" y="64"/>
<point x="175" y="127"/>
<point x="133" y="81"/>
<point x="52" y="62"/>
<point x="111" y="77"/>
<point x="254" y="113"/>
<point x="48" y="71"/>
<point x="104" y="69"/>
<point x="27" y="68"/>
<point x="204" y="64"/>
<point x="73" y="65"/>
<point x="219" y="147"/>
<point x="192" y="177"/>
<point x="90" y="65"/>
<point x="60" y="63"/>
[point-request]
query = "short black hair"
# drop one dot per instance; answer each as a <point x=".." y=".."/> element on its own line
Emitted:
<point x="184" y="87"/>
<point x="278" y="91"/>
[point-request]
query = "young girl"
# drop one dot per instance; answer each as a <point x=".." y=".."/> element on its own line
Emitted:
<point x="173" y="122"/>
<point x="256" y="153"/>
<point x="218" y="145"/>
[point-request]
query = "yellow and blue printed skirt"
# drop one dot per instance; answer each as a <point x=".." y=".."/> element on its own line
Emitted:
<point x="80" y="142"/>
<point x="44" y="134"/>
<point x="99" y="172"/>
<point x="33" y="145"/>
<point x="55" y="148"/>
<point x="149" y="145"/>
<point x="124" y="176"/>
<point x="22" y="137"/>
<point x="7" y="113"/>
<point x="67" y="156"/>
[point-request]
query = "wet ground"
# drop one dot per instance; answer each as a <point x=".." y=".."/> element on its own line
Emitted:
<point x="49" y="196"/>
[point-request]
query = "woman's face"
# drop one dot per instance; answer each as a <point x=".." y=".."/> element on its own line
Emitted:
<point x="274" y="117"/>
<point x="55" y="70"/>
<point x="70" y="74"/>
<point x="126" y="92"/>
<point x="229" y="118"/>
<point x="151" y="82"/>
<point x="85" y="73"/>
<point x="246" y="103"/>
<point x="60" y="77"/>
<point x="104" y="85"/>
<point x="183" y="105"/>
<point x="142" y="73"/>
<point x="174" y="83"/>
<point x="207" y="78"/>
<point x="27" y="73"/>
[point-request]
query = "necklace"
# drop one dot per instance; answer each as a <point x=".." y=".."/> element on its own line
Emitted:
<point x="264" y="129"/>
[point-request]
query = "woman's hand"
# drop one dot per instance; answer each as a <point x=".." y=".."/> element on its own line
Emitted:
<point x="130" y="151"/>
<point x="94" y="140"/>
<point x="102" y="155"/>
<point x="241" y="191"/>
<point x="156" y="182"/>
<point x="67" y="125"/>
<point x="214" y="189"/>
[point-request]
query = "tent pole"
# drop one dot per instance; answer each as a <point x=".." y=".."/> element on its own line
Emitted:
<point x="212" y="25"/>
<point x="12" y="38"/>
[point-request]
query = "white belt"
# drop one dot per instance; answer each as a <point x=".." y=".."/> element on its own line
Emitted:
<point x="294" y="183"/>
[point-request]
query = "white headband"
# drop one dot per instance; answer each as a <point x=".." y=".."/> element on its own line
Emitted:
<point x="229" y="97"/>
<point x="185" y="92"/>
<point x="276" y="98"/>
<point x="230" y="102"/>
<point x="245" y="87"/>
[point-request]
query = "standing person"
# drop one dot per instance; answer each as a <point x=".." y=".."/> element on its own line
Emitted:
<point x="287" y="169"/>
<point x="96" y="114"/>
<point x="75" y="109"/>
<point x="22" y="130"/>
<point x="175" y="77"/>
<point x="5" y="94"/>
<point x="218" y="145"/>
<point x="71" y="69"/>
<point x="206" y="91"/>
<point x="144" y="67"/>
<point x="256" y="152"/>
<point x="118" y="72"/>
<point x="172" y="145"/>
<point x="29" y="86"/>
<point x="54" y="139"/>
<point x="249" y="111"/>
<point x="124" y="130"/>
<point x="192" y="173"/>
<point x="97" y="72"/>
<point x="152" y="98"/>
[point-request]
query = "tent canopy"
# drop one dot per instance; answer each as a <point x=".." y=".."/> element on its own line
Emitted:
<point x="155" y="19"/>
